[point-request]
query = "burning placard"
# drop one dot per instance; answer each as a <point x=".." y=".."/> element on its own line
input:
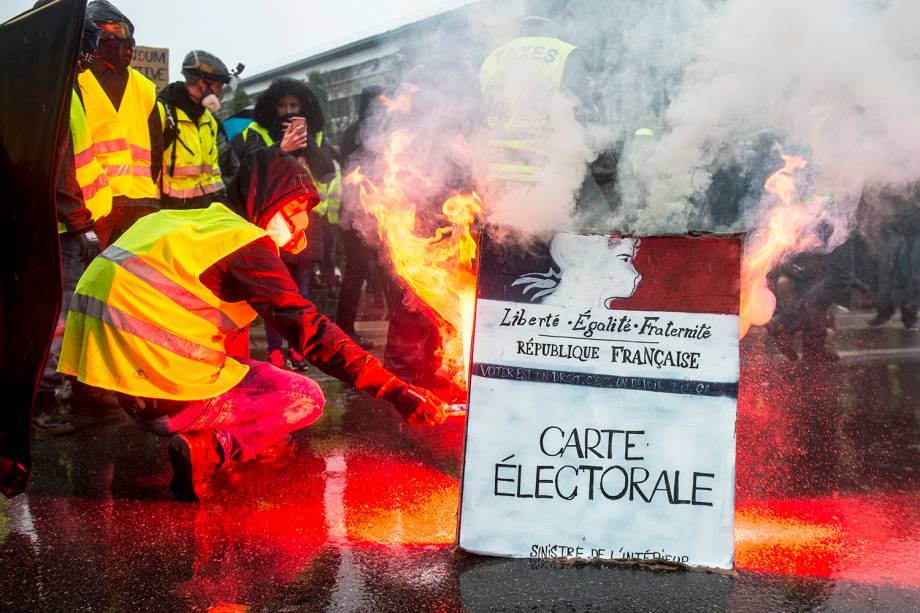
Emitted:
<point x="603" y="395"/>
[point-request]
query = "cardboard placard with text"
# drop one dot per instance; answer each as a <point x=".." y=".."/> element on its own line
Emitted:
<point x="153" y="63"/>
<point x="603" y="398"/>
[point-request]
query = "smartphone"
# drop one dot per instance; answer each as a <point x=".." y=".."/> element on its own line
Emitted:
<point x="299" y="123"/>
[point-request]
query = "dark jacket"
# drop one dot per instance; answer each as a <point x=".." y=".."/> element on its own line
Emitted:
<point x="176" y="95"/>
<point x="318" y="158"/>
<point x="351" y="139"/>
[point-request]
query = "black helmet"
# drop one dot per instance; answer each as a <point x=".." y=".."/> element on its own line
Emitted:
<point x="206" y="65"/>
<point x="102" y="11"/>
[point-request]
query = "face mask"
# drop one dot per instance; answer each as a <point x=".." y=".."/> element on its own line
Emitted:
<point x="211" y="102"/>
<point x="289" y="233"/>
<point x="115" y="52"/>
<point x="279" y="230"/>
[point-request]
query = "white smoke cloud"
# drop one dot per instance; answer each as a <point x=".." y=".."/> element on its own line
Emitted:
<point x="835" y="81"/>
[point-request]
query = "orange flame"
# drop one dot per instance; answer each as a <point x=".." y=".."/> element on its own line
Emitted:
<point x="784" y="234"/>
<point x="400" y="104"/>
<point x="438" y="266"/>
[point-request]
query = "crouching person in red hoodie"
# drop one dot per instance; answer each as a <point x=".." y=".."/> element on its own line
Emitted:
<point x="154" y="314"/>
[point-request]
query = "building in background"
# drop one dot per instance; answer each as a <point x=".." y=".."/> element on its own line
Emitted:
<point x="338" y="75"/>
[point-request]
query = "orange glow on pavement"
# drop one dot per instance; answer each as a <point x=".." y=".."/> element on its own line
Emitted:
<point x="400" y="503"/>
<point x="832" y="537"/>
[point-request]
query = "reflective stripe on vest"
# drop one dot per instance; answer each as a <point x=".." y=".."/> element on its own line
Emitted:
<point x="151" y="333"/>
<point x="330" y="194"/>
<point x="172" y="290"/>
<point x="194" y="153"/>
<point x="255" y="127"/>
<point x="142" y="322"/>
<point x="90" y="175"/>
<point x="518" y="141"/>
<point x="122" y="136"/>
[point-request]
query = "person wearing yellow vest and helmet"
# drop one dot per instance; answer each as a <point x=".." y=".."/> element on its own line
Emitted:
<point x="123" y="121"/>
<point x="519" y="81"/>
<point x="152" y="316"/>
<point x="288" y="116"/>
<point x="82" y="196"/>
<point x="191" y="175"/>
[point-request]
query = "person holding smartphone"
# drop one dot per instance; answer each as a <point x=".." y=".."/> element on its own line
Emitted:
<point x="288" y="116"/>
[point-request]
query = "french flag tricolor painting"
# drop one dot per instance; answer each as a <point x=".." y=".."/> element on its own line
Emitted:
<point x="603" y="396"/>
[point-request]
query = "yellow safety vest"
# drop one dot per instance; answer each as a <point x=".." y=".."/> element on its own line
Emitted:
<point x="91" y="177"/>
<point x="142" y="323"/>
<point x="255" y="127"/>
<point x="518" y="142"/>
<point x="194" y="170"/>
<point x="122" y="136"/>
<point x="330" y="194"/>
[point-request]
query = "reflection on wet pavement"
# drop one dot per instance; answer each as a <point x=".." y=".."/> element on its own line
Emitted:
<point x="359" y="513"/>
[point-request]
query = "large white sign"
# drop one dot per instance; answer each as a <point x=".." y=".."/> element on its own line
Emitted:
<point x="603" y="399"/>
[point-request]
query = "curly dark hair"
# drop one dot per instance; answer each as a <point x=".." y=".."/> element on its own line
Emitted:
<point x="266" y="115"/>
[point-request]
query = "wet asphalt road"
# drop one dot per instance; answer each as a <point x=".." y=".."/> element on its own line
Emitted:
<point x="359" y="514"/>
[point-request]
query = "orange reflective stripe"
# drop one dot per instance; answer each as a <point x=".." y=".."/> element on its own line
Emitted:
<point x="118" y="171"/>
<point x="140" y="154"/>
<point x="90" y="190"/>
<point x="110" y="146"/>
<point x="192" y="171"/>
<point x="118" y="319"/>
<point x="141" y="269"/>
<point x="84" y="157"/>
<point x="191" y="192"/>
<point x="122" y="170"/>
<point x="210" y="188"/>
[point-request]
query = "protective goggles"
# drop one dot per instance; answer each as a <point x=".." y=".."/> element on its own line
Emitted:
<point x="215" y="78"/>
<point x="114" y="29"/>
<point x="218" y="88"/>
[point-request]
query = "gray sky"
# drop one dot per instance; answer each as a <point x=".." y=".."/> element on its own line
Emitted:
<point x="259" y="33"/>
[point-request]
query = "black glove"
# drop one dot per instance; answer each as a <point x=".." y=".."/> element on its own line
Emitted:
<point x="89" y="245"/>
<point x="420" y="407"/>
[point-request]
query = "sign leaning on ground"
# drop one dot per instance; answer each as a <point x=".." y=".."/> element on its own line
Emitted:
<point x="153" y="63"/>
<point x="603" y="397"/>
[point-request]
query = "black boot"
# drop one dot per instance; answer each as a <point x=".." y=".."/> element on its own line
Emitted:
<point x="51" y="415"/>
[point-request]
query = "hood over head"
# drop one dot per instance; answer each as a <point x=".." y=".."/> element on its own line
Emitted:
<point x="266" y="114"/>
<point x="103" y="11"/>
<point x="266" y="180"/>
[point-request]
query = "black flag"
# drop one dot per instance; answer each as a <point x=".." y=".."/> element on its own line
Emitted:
<point x="38" y="52"/>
